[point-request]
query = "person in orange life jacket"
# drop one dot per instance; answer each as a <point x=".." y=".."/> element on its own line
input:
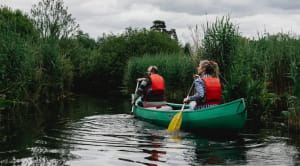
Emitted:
<point x="151" y="88"/>
<point x="208" y="90"/>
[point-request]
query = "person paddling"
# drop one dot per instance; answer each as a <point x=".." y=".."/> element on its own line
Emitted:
<point x="208" y="89"/>
<point x="151" y="88"/>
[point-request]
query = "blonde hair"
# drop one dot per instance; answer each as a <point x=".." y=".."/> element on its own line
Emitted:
<point x="211" y="67"/>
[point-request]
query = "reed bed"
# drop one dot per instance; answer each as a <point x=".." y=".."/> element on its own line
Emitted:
<point x="264" y="70"/>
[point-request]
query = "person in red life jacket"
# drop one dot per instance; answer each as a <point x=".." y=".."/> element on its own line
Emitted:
<point x="208" y="89"/>
<point x="151" y="88"/>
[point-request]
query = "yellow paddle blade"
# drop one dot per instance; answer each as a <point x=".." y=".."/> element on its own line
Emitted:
<point x="175" y="122"/>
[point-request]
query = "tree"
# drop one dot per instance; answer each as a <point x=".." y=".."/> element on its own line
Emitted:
<point x="16" y="34"/>
<point x="160" y="26"/>
<point x="104" y="67"/>
<point x="16" y="22"/>
<point x="52" y="19"/>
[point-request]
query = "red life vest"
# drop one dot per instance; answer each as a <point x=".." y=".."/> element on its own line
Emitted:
<point x="158" y="83"/>
<point x="213" y="90"/>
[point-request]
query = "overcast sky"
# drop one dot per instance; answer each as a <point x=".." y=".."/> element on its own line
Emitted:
<point x="96" y="17"/>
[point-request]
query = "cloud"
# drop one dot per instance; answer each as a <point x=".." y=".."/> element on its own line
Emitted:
<point x="284" y="5"/>
<point x="113" y="16"/>
<point x="250" y="26"/>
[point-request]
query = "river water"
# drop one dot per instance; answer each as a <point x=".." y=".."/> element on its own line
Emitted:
<point x="100" y="131"/>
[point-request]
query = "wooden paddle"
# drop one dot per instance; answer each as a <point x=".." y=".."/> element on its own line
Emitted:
<point x="136" y="88"/>
<point x="175" y="123"/>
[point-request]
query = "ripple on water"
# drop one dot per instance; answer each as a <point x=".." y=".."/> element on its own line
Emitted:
<point x="120" y="139"/>
<point x="81" y="134"/>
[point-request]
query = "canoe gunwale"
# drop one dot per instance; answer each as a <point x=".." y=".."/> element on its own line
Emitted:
<point x="241" y="100"/>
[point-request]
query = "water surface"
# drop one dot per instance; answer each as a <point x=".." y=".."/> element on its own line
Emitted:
<point x="101" y="131"/>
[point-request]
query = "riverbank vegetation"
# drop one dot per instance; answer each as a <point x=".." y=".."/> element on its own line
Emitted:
<point x="42" y="62"/>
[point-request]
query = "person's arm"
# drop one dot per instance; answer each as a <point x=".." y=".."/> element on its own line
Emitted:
<point x="140" y="90"/>
<point x="143" y="85"/>
<point x="199" y="87"/>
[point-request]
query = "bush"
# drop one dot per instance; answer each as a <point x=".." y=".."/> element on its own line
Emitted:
<point x="103" y="68"/>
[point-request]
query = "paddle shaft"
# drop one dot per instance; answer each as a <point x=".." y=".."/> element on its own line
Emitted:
<point x="136" y="87"/>
<point x="190" y="90"/>
<point x="187" y="96"/>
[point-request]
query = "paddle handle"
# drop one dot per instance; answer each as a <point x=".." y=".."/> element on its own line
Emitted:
<point x="190" y="89"/>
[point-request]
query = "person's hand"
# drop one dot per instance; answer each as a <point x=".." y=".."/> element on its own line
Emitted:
<point x="134" y="99"/>
<point x="186" y="100"/>
<point x="140" y="79"/>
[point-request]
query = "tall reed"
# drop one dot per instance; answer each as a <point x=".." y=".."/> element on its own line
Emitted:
<point x="293" y="98"/>
<point x="219" y="43"/>
<point x="241" y="64"/>
<point x="264" y="71"/>
<point x="270" y="61"/>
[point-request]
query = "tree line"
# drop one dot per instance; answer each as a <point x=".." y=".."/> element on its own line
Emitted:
<point x="45" y="57"/>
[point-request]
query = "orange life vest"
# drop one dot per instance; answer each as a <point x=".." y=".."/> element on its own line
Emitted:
<point x="156" y="97"/>
<point x="213" y="90"/>
<point x="158" y="83"/>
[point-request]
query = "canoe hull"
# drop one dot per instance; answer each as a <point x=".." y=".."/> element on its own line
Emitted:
<point x="228" y="116"/>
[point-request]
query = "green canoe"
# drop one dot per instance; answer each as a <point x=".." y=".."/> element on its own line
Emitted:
<point x="228" y="116"/>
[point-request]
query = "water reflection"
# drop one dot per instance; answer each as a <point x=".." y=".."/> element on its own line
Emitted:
<point x="215" y="150"/>
<point x="197" y="149"/>
<point x="93" y="131"/>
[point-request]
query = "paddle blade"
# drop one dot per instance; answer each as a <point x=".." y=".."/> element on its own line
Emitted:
<point x="175" y="122"/>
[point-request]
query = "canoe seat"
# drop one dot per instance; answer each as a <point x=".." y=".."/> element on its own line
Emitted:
<point x="157" y="104"/>
<point x="162" y="108"/>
